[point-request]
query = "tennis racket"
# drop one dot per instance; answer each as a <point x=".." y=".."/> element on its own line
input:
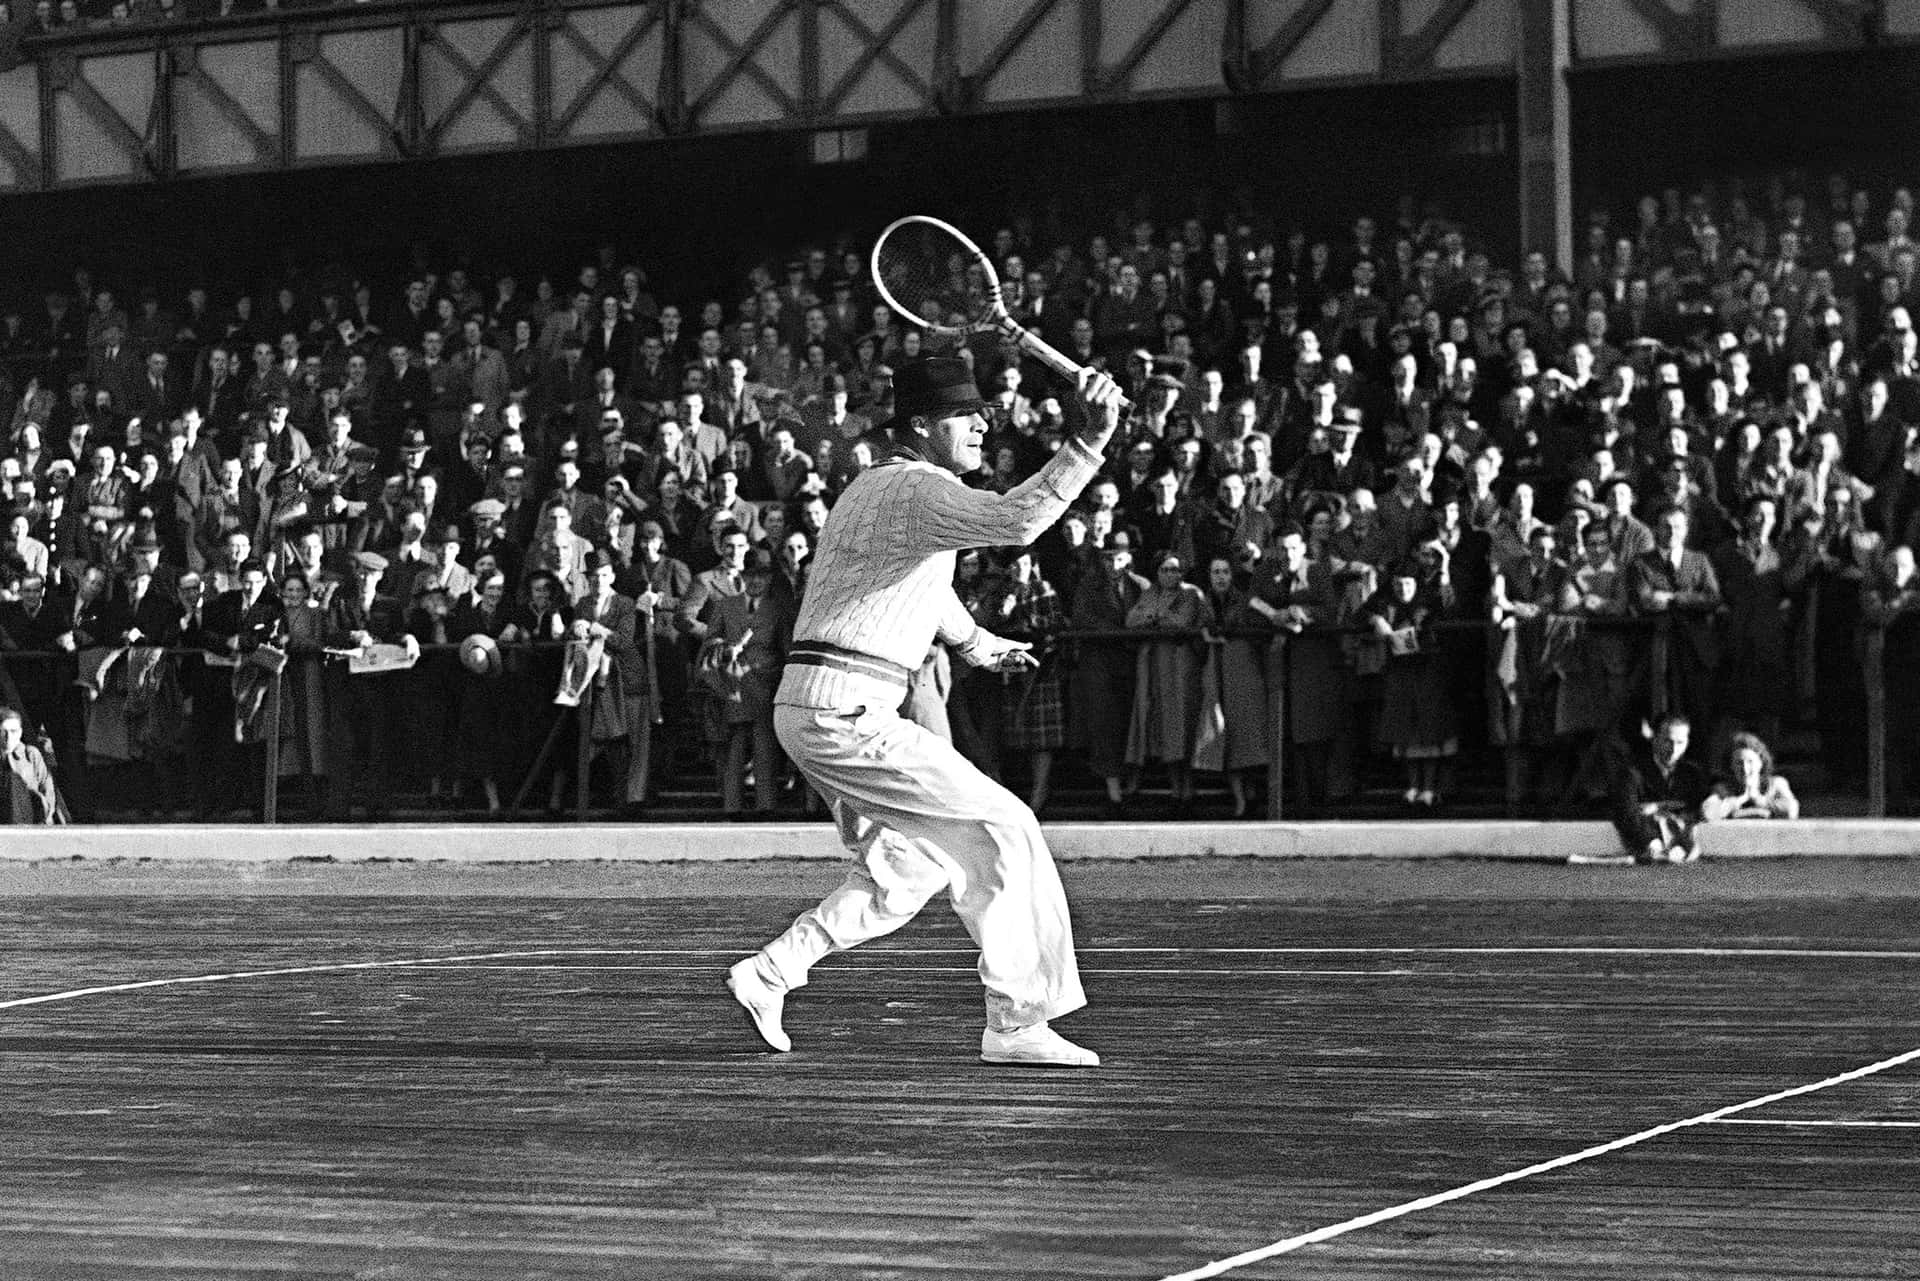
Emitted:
<point x="943" y="284"/>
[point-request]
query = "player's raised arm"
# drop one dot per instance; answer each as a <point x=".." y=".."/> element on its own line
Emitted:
<point x="938" y="420"/>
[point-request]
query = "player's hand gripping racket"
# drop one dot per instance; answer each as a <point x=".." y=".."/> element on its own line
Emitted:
<point x="942" y="282"/>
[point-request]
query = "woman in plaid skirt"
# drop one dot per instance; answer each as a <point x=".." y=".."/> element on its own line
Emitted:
<point x="1036" y="719"/>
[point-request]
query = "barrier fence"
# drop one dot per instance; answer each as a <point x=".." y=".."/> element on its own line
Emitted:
<point x="1654" y="635"/>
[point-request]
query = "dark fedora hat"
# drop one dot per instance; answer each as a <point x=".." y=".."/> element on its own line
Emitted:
<point x="933" y="387"/>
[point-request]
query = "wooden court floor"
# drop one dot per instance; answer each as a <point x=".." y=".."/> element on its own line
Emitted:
<point x="549" y="1082"/>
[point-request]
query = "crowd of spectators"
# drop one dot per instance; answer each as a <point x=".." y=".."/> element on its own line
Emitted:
<point x="24" y="19"/>
<point x="1465" y="492"/>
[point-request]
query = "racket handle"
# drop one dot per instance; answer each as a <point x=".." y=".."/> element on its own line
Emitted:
<point x="1050" y="356"/>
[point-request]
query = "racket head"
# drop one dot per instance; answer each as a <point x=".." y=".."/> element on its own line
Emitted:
<point x="935" y="278"/>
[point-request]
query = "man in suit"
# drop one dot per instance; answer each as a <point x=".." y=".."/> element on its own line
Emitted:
<point x="655" y="378"/>
<point x="36" y="624"/>
<point x="1773" y="356"/>
<point x="226" y="628"/>
<point x="728" y="578"/>
<point x="115" y="367"/>
<point x="221" y="398"/>
<point x="616" y="620"/>
<point x="369" y="706"/>
<point x="752" y="628"/>
<point x="1295" y="595"/>
<point x="187" y="482"/>
<point x="154" y="399"/>
<point x="1679" y="582"/>
<point x="1657" y="794"/>
<point x="31" y="799"/>
<point x="409" y="325"/>
<point x="488" y="380"/>
<point x="607" y="407"/>
<point x="489" y="539"/>
<point x="734" y="405"/>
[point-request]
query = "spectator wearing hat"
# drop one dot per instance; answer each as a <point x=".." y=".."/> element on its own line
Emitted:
<point x="1417" y="720"/>
<point x="490" y="539"/>
<point x="136" y="716"/>
<point x="746" y="645"/>
<point x="445" y="570"/>
<point x="367" y="708"/>
<point x="1342" y="468"/>
<point x="487" y="725"/>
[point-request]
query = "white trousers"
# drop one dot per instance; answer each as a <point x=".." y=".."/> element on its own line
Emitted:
<point x="918" y="818"/>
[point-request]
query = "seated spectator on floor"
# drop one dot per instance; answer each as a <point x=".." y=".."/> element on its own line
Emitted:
<point x="1751" y="789"/>
<point x="1657" y="794"/>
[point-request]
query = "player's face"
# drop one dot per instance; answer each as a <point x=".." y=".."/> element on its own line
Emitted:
<point x="955" y="443"/>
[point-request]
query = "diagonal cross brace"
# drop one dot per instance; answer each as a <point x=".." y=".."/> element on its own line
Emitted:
<point x="740" y="60"/>
<point x="1300" y="24"/>
<point x="607" y="70"/>
<point x="878" y="47"/>
<point x="1116" y="75"/>
<point x="477" y="82"/>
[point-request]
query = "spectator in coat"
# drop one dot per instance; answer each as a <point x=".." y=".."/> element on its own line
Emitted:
<point x="745" y="649"/>
<point x="1166" y="691"/>
<point x="1102" y="688"/>
<point x="32" y="800"/>
<point x="1657" y="793"/>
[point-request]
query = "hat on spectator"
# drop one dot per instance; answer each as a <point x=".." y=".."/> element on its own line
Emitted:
<point x="76" y="379"/>
<point x="370" y="562"/>
<point x="933" y="387"/>
<point x="759" y="561"/>
<point x="1166" y="381"/>
<point x="479" y="655"/>
<point x="446" y="532"/>
<point x="279" y="400"/>
<point x="413" y="441"/>
<point x="488" y="507"/>
<point x="145" y="541"/>
<point x="362" y="453"/>
<point x="61" y="464"/>
<point x="258" y="434"/>
<point x="1120" y="540"/>
<point x="1347" y="418"/>
<point x="599" y="559"/>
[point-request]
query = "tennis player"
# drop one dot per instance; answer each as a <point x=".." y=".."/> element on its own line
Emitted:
<point x="916" y="815"/>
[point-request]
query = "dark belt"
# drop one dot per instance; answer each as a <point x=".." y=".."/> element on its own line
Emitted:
<point x="819" y="654"/>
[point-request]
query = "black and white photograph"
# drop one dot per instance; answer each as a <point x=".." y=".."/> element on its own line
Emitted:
<point x="981" y="640"/>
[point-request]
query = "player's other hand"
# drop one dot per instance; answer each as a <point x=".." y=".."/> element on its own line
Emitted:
<point x="1104" y="402"/>
<point x="1016" y="657"/>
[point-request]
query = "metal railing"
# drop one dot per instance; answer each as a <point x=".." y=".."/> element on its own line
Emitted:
<point x="1657" y="632"/>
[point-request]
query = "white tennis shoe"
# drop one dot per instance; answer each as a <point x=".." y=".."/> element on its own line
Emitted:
<point x="762" y="1004"/>
<point x="1036" y="1045"/>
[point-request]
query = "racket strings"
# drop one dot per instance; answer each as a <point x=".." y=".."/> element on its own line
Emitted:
<point x="930" y="276"/>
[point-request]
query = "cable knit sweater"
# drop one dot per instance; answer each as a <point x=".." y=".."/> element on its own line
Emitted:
<point x="881" y="580"/>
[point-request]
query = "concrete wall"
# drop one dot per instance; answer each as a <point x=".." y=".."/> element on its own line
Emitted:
<point x="649" y="843"/>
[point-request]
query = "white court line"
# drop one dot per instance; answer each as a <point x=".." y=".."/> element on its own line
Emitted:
<point x="952" y="969"/>
<point x="1838" y="1125"/>
<point x="528" y="954"/>
<point x="1319" y="1235"/>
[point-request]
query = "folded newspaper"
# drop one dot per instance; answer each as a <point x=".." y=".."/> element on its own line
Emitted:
<point x="376" y="659"/>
